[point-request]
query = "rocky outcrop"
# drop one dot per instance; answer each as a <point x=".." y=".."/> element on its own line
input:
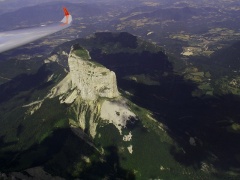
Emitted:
<point x="85" y="115"/>
<point x="86" y="78"/>
<point x="91" y="79"/>
<point x="91" y="92"/>
<point x="117" y="113"/>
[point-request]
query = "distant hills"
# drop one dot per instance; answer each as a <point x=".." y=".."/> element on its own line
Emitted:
<point x="45" y="13"/>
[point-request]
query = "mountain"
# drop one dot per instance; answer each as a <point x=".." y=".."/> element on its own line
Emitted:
<point x="78" y="119"/>
<point x="111" y="106"/>
<point x="70" y="118"/>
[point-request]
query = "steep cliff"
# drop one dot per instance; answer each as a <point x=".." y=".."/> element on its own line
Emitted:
<point x="91" y="91"/>
<point x="86" y="78"/>
<point x="90" y="78"/>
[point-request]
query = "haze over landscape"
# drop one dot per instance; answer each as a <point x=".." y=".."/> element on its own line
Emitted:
<point x="146" y="89"/>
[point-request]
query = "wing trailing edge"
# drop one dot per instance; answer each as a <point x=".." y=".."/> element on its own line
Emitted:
<point x="12" y="39"/>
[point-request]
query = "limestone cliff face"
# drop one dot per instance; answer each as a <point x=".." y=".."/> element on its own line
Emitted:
<point x="91" y="79"/>
<point x="81" y="88"/>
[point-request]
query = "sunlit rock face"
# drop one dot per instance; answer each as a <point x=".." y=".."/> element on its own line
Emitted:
<point x="91" y="79"/>
<point x="81" y="88"/>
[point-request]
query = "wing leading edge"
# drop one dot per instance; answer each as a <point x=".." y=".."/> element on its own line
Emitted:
<point x="16" y="38"/>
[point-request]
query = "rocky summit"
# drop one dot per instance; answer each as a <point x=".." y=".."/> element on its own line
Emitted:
<point x="86" y="82"/>
<point x="86" y="78"/>
<point x="91" y="79"/>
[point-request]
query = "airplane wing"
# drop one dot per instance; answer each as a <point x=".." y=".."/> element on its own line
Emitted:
<point x="16" y="38"/>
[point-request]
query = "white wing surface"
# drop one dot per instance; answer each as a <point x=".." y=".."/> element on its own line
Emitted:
<point x="16" y="38"/>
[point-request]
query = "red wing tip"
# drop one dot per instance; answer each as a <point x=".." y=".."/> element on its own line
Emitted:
<point x="66" y="13"/>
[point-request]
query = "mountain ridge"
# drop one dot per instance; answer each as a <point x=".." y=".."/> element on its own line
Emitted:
<point x="51" y="111"/>
<point x="159" y="124"/>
